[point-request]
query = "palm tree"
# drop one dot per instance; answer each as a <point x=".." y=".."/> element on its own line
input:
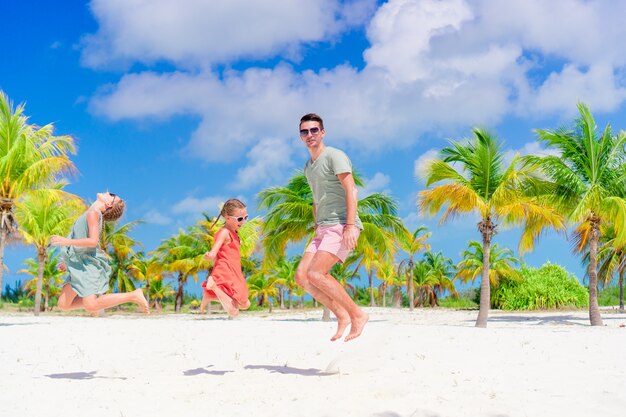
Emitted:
<point x="30" y="157"/>
<point x="183" y="255"/>
<point x="387" y="274"/>
<point x="146" y="269"/>
<point x="41" y="214"/>
<point x="285" y="274"/>
<point x="513" y="195"/>
<point x="590" y="176"/>
<point x="424" y="281"/>
<point x="52" y="277"/>
<point x="115" y="241"/>
<point x="441" y="270"/>
<point x="412" y="243"/>
<point x="502" y="264"/>
<point x="158" y="291"/>
<point x="263" y="286"/>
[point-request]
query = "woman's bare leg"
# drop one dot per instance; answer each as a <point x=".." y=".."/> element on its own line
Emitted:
<point x="93" y="303"/>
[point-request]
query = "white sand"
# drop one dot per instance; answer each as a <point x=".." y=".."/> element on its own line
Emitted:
<point x="425" y="363"/>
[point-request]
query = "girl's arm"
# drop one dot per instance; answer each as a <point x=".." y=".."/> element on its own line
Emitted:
<point x="93" y="225"/>
<point x="220" y="239"/>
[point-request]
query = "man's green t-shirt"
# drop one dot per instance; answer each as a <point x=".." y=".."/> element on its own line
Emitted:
<point x="328" y="194"/>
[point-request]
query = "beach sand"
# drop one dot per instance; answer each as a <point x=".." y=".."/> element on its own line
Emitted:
<point x="426" y="363"/>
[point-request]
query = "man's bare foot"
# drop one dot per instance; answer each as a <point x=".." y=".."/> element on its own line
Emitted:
<point x="356" y="328"/>
<point x="141" y="301"/>
<point x="342" y="324"/>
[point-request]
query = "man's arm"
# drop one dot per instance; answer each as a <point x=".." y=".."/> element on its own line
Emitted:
<point x="350" y="232"/>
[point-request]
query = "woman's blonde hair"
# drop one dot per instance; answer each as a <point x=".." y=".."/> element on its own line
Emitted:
<point x="114" y="212"/>
<point x="228" y="208"/>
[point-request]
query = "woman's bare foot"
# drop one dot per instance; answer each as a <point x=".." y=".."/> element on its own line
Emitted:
<point x="141" y="301"/>
<point x="356" y="328"/>
<point x="342" y="324"/>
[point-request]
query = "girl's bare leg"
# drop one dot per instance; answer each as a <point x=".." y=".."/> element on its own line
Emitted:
<point x="224" y="299"/>
<point x="93" y="303"/>
<point x="206" y="299"/>
<point x="69" y="300"/>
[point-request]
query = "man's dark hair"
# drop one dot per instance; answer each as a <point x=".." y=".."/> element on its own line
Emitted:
<point x="312" y="117"/>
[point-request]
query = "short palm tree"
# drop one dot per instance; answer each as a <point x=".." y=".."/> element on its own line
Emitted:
<point x="159" y="290"/>
<point x="263" y="286"/>
<point x="424" y="281"/>
<point x="115" y="240"/>
<point x="30" y="157"/>
<point x="412" y="243"/>
<point x="387" y="274"/>
<point x="503" y="264"/>
<point x="440" y="276"/>
<point x="147" y="270"/>
<point x="590" y="179"/>
<point x="41" y="214"/>
<point x="52" y="277"/>
<point x="474" y="180"/>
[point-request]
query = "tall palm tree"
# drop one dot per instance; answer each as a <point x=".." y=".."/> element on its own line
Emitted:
<point x="52" y="277"/>
<point x="590" y="176"/>
<point x="412" y="243"/>
<point x="30" y="157"/>
<point x="41" y="214"/>
<point x="502" y="264"/>
<point x="474" y="180"/>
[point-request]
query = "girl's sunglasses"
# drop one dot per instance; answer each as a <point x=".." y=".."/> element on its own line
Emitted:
<point x="240" y="219"/>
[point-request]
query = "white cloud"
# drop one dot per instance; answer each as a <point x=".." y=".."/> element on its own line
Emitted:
<point x="199" y="33"/>
<point x="195" y="206"/>
<point x="421" y="164"/>
<point x="268" y="162"/>
<point x="529" y="148"/>
<point x="432" y="66"/>
<point x="379" y="183"/>
<point x="156" y="217"/>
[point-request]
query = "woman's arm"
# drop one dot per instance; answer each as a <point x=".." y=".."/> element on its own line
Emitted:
<point x="93" y="225"/>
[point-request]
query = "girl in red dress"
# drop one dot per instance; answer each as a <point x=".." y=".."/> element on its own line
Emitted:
<point x="226" y="283"/>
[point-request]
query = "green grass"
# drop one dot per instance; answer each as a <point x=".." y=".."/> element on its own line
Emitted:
<point x="608" y="296"/>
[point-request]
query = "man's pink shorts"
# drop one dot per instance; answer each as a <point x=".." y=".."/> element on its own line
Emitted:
<point x="329" y="239"/>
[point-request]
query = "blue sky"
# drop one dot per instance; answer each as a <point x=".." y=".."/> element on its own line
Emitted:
<point x="177" y="106"/>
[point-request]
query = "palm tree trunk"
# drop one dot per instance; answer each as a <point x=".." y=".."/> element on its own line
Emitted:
<point x="326" y="314"/>
<point x="46" y="300"/>
<point x="594" y="311"/>
<point x="486" y="228"/>
<point x="4" y="234"/>
<point x="410" y="285"/>
<point x="179" y="294"/>
<point x="148" y="291"/>
<point x="384" y="297"/>
<point x="282" y="298"/>
<point x="290" y="291"/>
<point x="621" y="294"/>
<point x="371" y="281"/>
<point x="41" y="258"/>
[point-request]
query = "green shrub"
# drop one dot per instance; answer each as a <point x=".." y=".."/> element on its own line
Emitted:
<point x="25" y="303"/>
<point x="548" y="287"/>
<point x="468" y="299"/>
<point x="608" y="296"/>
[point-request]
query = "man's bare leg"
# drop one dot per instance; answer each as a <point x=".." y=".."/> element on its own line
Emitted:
<point x="343" y="318"/>
<point x="319" y="277"/>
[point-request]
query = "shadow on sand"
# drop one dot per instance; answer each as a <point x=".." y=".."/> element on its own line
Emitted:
<point x="81" y="376"/>
<point x="203" y="370"/>
<point x="290" y="370"/>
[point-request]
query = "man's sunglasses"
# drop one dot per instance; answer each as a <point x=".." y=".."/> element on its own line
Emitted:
<point x="240" y="219"/>
<point x="305" y="132"/>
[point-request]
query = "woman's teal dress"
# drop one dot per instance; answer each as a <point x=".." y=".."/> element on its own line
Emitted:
<point x="88" y="268"/>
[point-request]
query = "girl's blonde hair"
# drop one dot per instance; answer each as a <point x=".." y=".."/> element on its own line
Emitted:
<point x="114" y="212"/>
<point x="228" y="208"/>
